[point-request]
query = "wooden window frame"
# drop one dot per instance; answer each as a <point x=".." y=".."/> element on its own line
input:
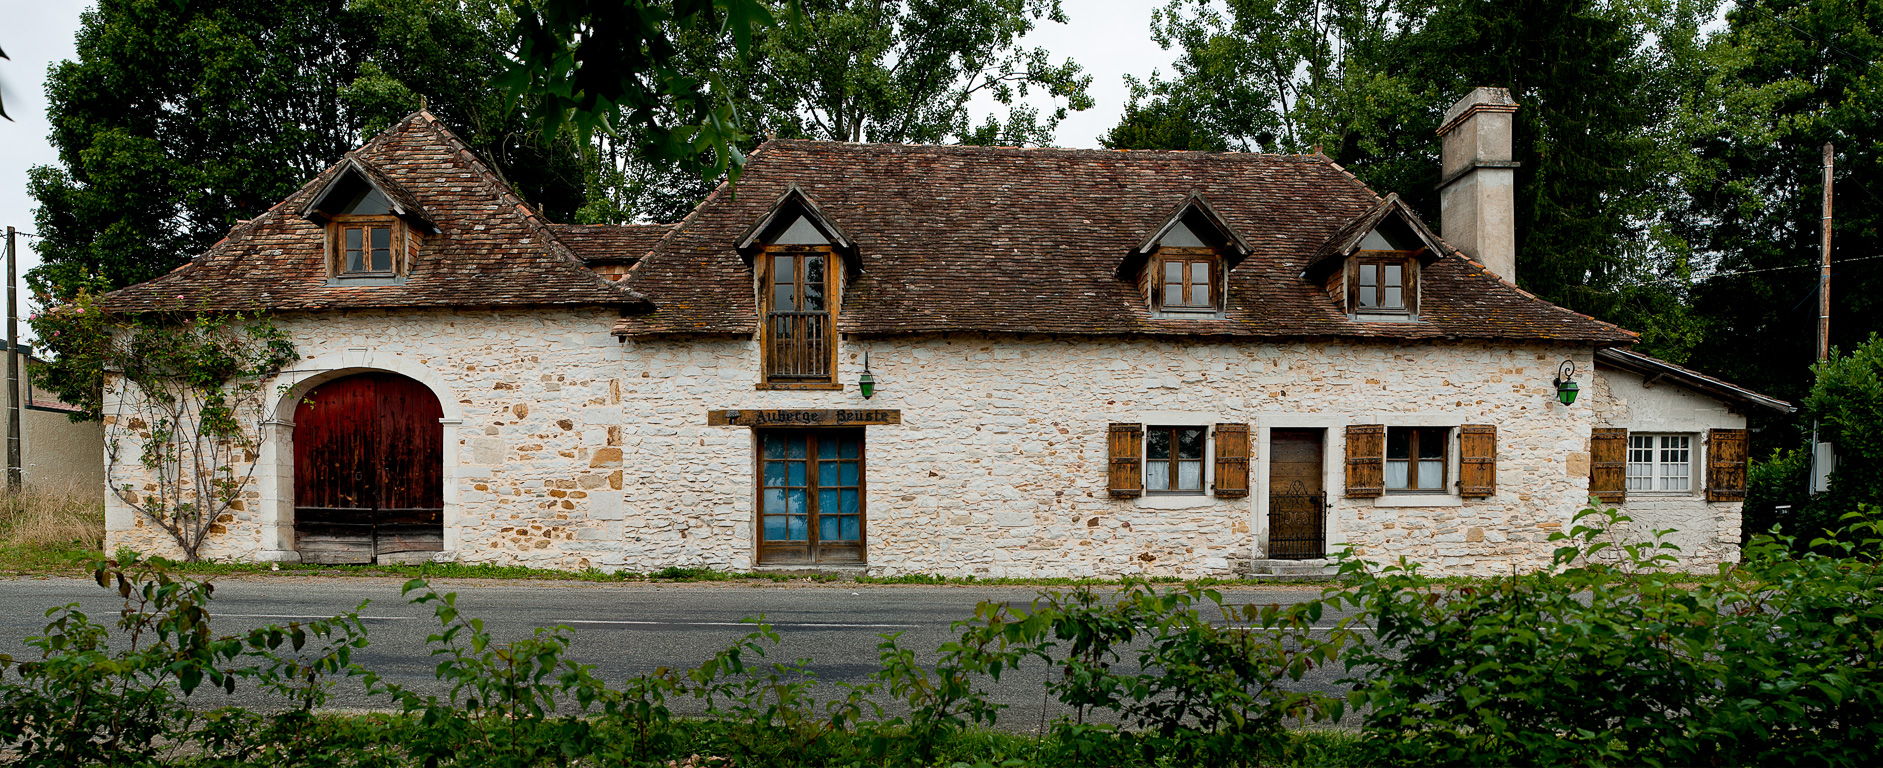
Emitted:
<point x="1656" y="463"/>
<point x="337" y="251"/>
<point x="1408" y="288"/>
<point x="1171" y="469"/>
<point x="813" y="542"/>
<point x="1189" y="257"/>
<point x="772" y="378"/>
<point x="1412" y="459"/>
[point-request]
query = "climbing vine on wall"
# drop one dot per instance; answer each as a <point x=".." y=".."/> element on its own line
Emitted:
<point x="183" y="396"/>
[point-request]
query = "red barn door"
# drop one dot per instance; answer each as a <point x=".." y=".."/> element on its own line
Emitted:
<point x="368" y="471"/>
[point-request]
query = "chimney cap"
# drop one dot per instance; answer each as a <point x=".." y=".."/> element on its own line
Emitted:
<point x="1480" y="99"/>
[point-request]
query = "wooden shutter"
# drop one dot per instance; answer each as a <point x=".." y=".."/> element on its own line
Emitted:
<point x="1366" y="457"/>
<point x="1726" y="465"/>
<point x="1127" y="460"/>
<point x="1477" y="460"/>
<point x="1232" y="460"/>
<point x="1608" y="465"/>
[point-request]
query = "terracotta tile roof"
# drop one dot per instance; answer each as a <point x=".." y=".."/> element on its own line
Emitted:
<point x="1027" y="240"/>
<point x="607" y="244"/>
<point x="490" y="250"/>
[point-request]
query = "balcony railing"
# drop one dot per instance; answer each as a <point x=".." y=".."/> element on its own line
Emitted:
<point x="798" y="345"/>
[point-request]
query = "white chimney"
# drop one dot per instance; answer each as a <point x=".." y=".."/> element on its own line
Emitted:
<point x="1477" y="199"/>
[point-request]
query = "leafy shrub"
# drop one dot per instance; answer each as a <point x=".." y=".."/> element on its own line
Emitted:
<point x="1617" y="661"/>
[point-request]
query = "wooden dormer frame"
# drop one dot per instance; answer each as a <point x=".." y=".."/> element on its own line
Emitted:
<point x="403" y="246"/>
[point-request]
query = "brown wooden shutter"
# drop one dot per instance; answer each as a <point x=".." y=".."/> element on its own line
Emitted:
<point x="1232" y="460"/>
<point x="1127" y="463"/>
<point x="1608" y="464"/>
<point x="1366" y="457"/>
<point x="1477" y="460"/>
<point x="1726" y="465"/>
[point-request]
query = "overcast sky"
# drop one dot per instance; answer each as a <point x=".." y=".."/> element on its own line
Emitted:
<point x="1111" y="38"/>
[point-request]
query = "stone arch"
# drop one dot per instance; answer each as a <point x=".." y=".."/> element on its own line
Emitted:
<point x="277" y="470"/>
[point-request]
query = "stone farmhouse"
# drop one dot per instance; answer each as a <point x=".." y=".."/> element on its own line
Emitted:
<point x="947" y="360"/>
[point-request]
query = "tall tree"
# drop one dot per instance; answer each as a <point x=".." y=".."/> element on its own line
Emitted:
<point x="1786" y="77"/>
<point x="179" y="117"/>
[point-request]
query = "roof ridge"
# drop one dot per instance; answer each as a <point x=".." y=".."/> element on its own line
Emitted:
<point x="981" y="148"/>
<point x="506" y="197"/>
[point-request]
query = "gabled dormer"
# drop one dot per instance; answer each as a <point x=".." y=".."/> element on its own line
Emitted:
<point x="1371" y="266"/>
<point x="374" y="227"/>
<point x="795" y="251"/>
<point x="1182" y="268"/>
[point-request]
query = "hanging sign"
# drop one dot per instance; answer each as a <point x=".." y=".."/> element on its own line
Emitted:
<point x="837" y="417"/>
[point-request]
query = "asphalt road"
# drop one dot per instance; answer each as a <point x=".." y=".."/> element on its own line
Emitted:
<point x="621" y="629"/>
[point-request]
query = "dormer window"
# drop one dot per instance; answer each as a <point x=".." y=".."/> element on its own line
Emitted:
<point x="373" y="227"/>
<point x="799" y="258"/>
<point x="1183" y="267"/>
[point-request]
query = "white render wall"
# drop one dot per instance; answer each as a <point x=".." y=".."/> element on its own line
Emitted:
<point x="1706" y="531"/>
<point x="569" y="448"/>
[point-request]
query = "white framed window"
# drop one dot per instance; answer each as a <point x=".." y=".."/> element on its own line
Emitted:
<point x="1660" y="462"/>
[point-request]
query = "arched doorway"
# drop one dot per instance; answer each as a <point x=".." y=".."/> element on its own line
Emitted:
<point x="368" y="471"/>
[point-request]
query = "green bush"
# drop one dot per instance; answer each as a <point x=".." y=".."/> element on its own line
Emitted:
<point x="1607" y="658"/>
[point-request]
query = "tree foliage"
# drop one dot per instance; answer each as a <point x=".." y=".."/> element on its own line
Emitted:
<point x="180" y="117"/>
<point x="837" y="70"/>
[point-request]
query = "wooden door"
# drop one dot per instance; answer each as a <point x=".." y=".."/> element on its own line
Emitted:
<point x="368" y="471"/>
<point x="1296" y="499"/>
<point x="811" y="496"/>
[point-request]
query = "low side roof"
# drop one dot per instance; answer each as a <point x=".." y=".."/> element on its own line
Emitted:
<point x="1719" y="389"/>
<point x="1027" y="240"/>
<point x="610" y="243"/>
<point x="490" y="249"/>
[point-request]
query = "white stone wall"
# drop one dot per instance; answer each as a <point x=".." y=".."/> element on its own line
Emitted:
<point x="1707" y="532"/>
<point x="567" y="448"/>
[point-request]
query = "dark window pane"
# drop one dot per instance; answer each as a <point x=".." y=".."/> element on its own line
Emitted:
<point x="852" y="529"/>
<point x="1190" y="443"/>
<point x="774" y="473"/>
<point x="796" y="501"/>
<point x="850" y="447"/>
<point x="826" y="448"/>
<point x="353" y="262"/>
<point x="1398" y="443"/>
<point x="1432" y="443"/>
<point x="795" y="529"/>
<point x="382" y="249"/>
<point x="1395" y="298"/>
<point x="794" y="447"/>
<point x="784" y="279"/>
<point x="774" y="446"/>
<point x="1157" y="444"/>
<point x="795" y="474"/>
<point x="784" y="299"/>
<point x="774" y="527"/>
<point x="1173" y="272"/>
<point x="826" y="474"/>
<point x="353" y="239"/>
<point x="827" y="502"/>
<point x="1173" y="294"/>
<point x="1369" y="275"/>
<point x="851" y="499"/>
<point x="813" y="283"/>
<point x="848" y="476"/>
<point x="1394" y="277"/>
<point x="827" y="528"/>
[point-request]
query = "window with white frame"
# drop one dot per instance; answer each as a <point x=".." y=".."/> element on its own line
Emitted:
<point x="1660" y="462"/>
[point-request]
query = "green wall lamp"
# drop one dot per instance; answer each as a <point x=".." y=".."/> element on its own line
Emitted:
<point x="866" y="382"/>
<point x="1566" y="388"/>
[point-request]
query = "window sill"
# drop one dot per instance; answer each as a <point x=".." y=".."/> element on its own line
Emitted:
<point x="820" y="386"/>
<point x="1152" y="500"/>
<point x="364" y="280"/>
<point x="1385" y="317"/>
<point x="1418" y="500"/>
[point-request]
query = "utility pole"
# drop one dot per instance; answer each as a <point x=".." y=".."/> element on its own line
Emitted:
<point x="1822" y="457"/>
<point x="13" y="363"/>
